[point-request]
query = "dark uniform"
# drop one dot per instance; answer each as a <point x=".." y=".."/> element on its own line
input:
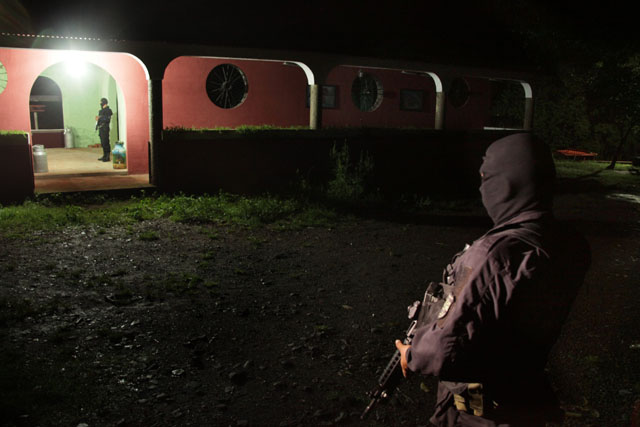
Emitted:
<point x="102" y="126"/>
<point x="512" y="290"/>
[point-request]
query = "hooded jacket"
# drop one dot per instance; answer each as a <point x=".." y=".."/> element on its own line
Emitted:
<point x="513" y="290"/>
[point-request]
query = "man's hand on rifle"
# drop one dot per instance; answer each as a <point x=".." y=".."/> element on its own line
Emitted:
<point x="403" y="356"/>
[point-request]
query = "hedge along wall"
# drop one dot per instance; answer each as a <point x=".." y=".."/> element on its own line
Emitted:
<point x="410" y="162"/>
<point x="16" y="170"/>
<point x="81" y="100"/>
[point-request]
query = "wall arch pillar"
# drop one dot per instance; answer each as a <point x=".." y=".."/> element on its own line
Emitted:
<point x="315" y="107"/>
<point x="528" y="106"/>
<point x="156" y="125"/>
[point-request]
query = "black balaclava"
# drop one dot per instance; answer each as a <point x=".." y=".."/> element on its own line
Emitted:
<point x="518" y="174"/>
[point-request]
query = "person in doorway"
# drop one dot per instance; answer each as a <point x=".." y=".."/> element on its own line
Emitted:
<point x="103" y="121"/>
<point x="510" y="292"/>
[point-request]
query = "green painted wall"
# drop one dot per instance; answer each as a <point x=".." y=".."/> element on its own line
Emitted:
<point x="82" y="87"/>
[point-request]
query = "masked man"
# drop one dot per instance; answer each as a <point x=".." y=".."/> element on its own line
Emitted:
<point x="511" y="292"/>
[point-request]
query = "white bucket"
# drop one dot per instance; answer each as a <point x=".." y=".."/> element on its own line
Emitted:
<point x="68" y="138"/>
<point x="39" y="159"/>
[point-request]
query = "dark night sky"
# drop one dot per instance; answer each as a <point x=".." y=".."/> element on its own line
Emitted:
<point x="478" y="32"/>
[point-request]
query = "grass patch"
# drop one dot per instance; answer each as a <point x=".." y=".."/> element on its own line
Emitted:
<point x="51" y="214"/>
<point x="349" y="189"/>
<point x="227" y="209"/>
<point x="14" y="310"/>
<point x="598" y="175"/>
<point x="55" y="212"/>
<point x="248" y="129"/>
<point x="148" y="236"/>
<point x="242" y="129"/>
<point x="578" y="169"/>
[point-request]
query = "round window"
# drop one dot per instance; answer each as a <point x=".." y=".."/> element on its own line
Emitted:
<point x="366" y="92"/>
<point x="227" y="86"/>
<point x="459" y="92"/>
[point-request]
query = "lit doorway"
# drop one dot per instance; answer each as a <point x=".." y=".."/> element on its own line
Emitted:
<point x="63" y="103"/>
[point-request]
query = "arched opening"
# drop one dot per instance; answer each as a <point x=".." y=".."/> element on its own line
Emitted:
<point x="64" y="103"/>
<point x="78" y="74"/>
<point x="45" y="105"/>
<point x="510" y="104"/>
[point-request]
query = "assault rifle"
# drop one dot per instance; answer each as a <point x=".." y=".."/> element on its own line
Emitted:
<point x="419" y="313"/>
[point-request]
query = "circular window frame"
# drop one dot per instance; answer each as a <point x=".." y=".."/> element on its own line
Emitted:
<point x="459" y="92"/>
<point x="367" y="80"/>
<point x="227" y="86"/>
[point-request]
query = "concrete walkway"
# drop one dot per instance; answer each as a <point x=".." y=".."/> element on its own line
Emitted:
<point x="77" y="169"/>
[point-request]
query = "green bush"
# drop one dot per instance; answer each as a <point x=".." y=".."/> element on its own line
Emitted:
<point x="351" y="183"/>
<point x="12" y="132"/>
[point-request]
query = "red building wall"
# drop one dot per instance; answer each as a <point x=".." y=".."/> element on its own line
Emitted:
<point x="276" y="95"/>
<point x="25" y="65"/>
<point x="475" y="113"/>
<point x="388" y="114"/>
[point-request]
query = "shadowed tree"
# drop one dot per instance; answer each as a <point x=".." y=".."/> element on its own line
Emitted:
<point x="613" y="100"/>
<point x="579" y="105"/>
<point x="561" y="116"/>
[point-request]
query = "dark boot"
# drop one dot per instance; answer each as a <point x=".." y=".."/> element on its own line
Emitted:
<point x="106" y="157"/>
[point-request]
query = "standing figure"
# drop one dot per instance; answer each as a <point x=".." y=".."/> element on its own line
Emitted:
<point x="103" y="120"/>
<point x="509" y="295"/>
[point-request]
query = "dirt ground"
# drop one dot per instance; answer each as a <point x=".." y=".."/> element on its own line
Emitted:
<point x="168" y="324"/>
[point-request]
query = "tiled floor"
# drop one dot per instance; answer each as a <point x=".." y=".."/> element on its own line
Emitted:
<point x="78" y="169"/>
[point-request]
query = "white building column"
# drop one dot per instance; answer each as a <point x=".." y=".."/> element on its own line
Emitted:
<point x="528" y="106"/>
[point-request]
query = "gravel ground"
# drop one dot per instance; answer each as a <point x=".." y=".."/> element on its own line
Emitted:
<point x="163" y="324"/>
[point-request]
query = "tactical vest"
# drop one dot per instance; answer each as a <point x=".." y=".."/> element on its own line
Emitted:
<point x="439" y="299"/>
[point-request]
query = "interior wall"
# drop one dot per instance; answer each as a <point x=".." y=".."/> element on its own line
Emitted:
<point x="81" y="93"/>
